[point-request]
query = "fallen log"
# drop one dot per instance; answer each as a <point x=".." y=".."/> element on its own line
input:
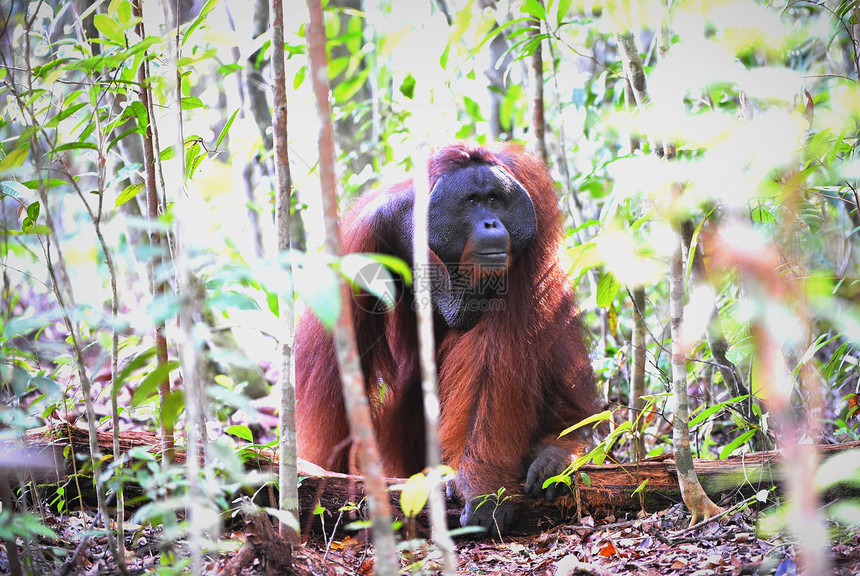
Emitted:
<point x="609" y="489"/>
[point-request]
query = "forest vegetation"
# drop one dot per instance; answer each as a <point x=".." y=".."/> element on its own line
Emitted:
<point x="159" y="236"/>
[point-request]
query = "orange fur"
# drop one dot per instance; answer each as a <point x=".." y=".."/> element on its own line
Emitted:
<point x="507" y="386"/>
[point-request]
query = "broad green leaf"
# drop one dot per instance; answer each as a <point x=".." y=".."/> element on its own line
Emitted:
<point x="127" y="194"/>
<point x="299" y="78"/>
<point x="607" y="288"/>
<point x="344" y="91"/>
<point x="138" y="111"/>
<point x="583" y="258"/>
<point x="534" y="8"/>
<point x="32" y="230"/>
<point x="842" y="467"/>
<point x="14" y="159"/>
<point x="563" y="6"/>
<point x="115" y="141"/>
<point x="241" y="431"/>
<point x="49" y="183"/>
<point x="414" y="495"/>
<point x="559" y="479"/>
<point x="149" y="385"/>
<point x="407" y="87"/>
<point x="134" y="364"/>
<point x="711" y="410"/>
<point x="168" y="153"/>
<point x="109" y="28"/>
<point x="29" y="525"/>
<point x="55" y="121"/>
<point x="736" y="443"/>
<point x="187" y="60"/>
<point x="172" y="407"/>
<point x="191" y="102"/>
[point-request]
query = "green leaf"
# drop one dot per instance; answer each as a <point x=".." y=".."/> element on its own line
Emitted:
<point x="641" y="487"/>
<point x="534" y="8"/>
<point x="563" y="6"/>
<point x="736" y="443"/>
<point x="172" y="407"/>
<point x="122" y="12"/>
<point x="115" y="141"/>
<point x="299" y="78"/>
<point x="607" y="288"/>
<point x="711" y="410"/>
<point x="33" y="210"/>
<point x="75" y="146"/>
<point x="127" y="194"/>
<point x="150" y="384"/>
<point x="49" y="183"/>
<point x="240" y="431"/>
<point x="191" y="102"/>
<point x="407" y="87"/>
<point x="344" y="91"/>
<point x="195" y="162"/>
<point x="14" y="159"/>
<point x="207" y="8"/>
<point x="168" y="153"/>
<point x="139" y="47"/>
<point x="594" y="419"/>
<point x="37" y="229"/>
<point x="134" y="364"/>
<point x="226" y="129"/>
<point x="55" y="121"/>
<point x="762" y="215"/>
<point x="187" y="60"/>
<point x="137" y="110"/>
<point x="414" y="495"/>
<point x="29" y="525"/>
<point x="109" y="28"/>
<point x="191" y="154"/>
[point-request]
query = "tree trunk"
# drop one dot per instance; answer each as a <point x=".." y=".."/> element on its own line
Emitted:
<point x="637" y="380"/>
<point x="355" y="396"/>
<point x="288" y="479"/>
<point x="701" y="507"/>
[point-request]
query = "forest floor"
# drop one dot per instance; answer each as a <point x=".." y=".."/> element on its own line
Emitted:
<point x="658" y="545"/>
